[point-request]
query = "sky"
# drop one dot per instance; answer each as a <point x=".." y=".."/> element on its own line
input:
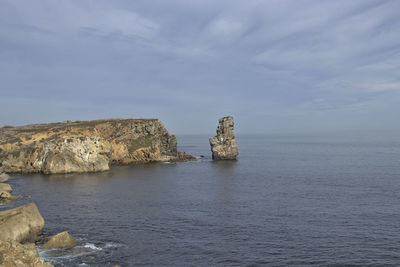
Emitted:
<point x="277" y="66"/>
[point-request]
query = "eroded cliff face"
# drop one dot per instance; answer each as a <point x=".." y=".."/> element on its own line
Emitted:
<point x="86" y="146"/>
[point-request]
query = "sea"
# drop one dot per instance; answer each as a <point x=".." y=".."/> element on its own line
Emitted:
<point x="288" y="200"/>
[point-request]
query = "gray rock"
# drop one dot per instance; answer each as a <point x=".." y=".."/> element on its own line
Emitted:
<point x="4" y="177"/>
<point x="223" y="145"/>
<point x="78" y="154"/>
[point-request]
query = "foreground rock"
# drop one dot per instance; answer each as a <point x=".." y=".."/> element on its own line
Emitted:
<point x="85" y="146"/>
<point x="13" y="254"/>
<point x="4" y="177"/>
<point x="5" y="187"/>
<point x="60" y="240"/>
<point x="223" y="145"/>
<point x="22" y="224"/>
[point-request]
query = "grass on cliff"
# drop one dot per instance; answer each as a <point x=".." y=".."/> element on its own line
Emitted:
<point x="15" y="153"/>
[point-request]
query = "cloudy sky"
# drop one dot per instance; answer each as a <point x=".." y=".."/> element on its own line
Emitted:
<point x="276" y="66"/>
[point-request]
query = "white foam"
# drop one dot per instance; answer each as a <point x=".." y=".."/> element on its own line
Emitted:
<point x="111" y="245"/>
<point x="92" y="246"/>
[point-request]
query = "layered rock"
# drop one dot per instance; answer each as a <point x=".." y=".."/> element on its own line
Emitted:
<point x="223" y="145"/>
<point x="85" y="146"/>
<point x="22" y="224"/>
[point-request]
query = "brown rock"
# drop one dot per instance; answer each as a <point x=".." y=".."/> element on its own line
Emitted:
<point x="60" y="240"/>
<point x="223" y="145"/>
<point x="13" y="254"/>
<point x="22" y="224"/>
<point x="85" y="146"/>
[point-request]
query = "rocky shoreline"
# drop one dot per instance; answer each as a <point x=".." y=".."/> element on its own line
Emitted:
<point x="86" y="146"/>
<point x="19" y="230"/>
<point x="79" y="147"/>
<point x="68" y="147"/>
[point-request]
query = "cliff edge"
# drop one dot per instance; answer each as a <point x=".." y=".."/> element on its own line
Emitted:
<point x="86" y="146"/>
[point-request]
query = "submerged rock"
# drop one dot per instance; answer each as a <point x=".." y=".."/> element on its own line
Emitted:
<point x="60" y="240"/>
<point x="223" y="145"/>
<point x="182" y="156"/>
<point x="4" y="177"/>
<point x="18" y="255"/>
<point x="22" y="224"/>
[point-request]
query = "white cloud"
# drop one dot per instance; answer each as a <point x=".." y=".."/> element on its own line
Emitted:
<point x="267" y="56"/>
<point x="69" y="16"/>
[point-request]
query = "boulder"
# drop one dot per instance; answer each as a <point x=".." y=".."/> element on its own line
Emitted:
<point x="4" y="177"/>
<point x="22" y="224"/>
<point x="14" y="254"/>
<point x="223" y="145"/>
<point x="5" y="187"/>
<point x="5" y="195"/>
<point x="60" y="240"/>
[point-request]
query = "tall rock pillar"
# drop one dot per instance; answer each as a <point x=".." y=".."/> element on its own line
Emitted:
<point x="223" y="145"/>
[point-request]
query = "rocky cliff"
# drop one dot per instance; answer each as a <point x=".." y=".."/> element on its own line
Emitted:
<point x="223" y="145"/>
<point x="85" y="146"/>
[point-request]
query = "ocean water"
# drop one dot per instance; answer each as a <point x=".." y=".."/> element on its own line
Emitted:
<point x="287" y="200"/>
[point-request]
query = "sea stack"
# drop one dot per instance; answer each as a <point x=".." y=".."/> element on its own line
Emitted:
<point x="223" y="145"/>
